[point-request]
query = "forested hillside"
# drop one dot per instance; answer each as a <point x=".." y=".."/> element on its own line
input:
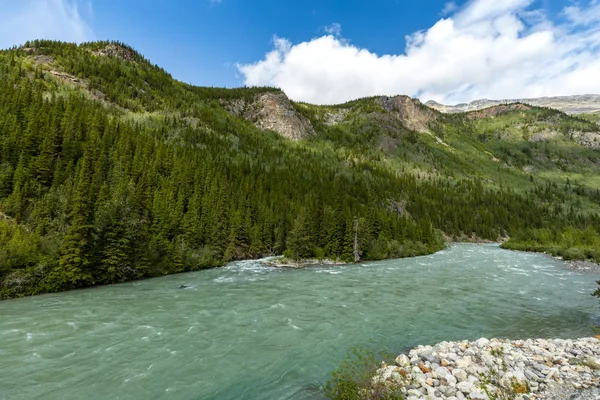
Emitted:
<point x="110" y="170"/>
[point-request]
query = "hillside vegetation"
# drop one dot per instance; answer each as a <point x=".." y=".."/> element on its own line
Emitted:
<point x="110" y="170"/>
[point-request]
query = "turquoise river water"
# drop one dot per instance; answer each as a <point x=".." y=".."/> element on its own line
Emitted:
<point x="248" y="331"/>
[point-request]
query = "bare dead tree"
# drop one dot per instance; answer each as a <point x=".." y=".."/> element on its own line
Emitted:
<point x="356" y="251"/>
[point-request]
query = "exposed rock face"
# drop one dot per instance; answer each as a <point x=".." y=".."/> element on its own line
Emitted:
<point x="113" y="50"/>
<point x="273" y="111"/>
<point x="495" y="110"/>
<point x="409" y="111"/>
<point x="336" y="117"/>
<point x="43" y="59"/>
<point x="579" y="104"/>
<point x="589" y="139"/>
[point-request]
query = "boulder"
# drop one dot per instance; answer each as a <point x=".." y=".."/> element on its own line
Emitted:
<point x="460" y="375"/>
<point x="402" y="360"/>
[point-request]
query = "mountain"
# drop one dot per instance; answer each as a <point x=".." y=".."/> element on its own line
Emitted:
<point x="579" y="104"/>
<point x="111" y="170"/>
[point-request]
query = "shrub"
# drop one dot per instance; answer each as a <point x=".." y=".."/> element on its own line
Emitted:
<point x="353" y="379"/>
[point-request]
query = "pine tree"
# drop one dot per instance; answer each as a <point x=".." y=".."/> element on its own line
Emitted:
<point x="299" y="243"/>
<point x="75" y="260"/>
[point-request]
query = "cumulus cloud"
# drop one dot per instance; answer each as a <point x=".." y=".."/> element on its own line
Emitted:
<point x="486" y="49"/>
<point x="42" y="19"/>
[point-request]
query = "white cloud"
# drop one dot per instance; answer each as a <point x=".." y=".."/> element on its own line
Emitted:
<point x="449" y="7"/>
<point x="486" y="49"/>
<point x="43" y="19"/>
<point x="584" y="16"/>
<point x="334" y="29"/>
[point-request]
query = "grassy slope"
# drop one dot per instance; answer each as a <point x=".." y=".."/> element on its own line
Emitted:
<point x="520" y="149"/>
<point x="503" y="149"/>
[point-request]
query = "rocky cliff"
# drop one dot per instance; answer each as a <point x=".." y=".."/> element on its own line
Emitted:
<point x="579" y="104"/>
<point x="410" y="112"/>
<point x="272" y="111"/>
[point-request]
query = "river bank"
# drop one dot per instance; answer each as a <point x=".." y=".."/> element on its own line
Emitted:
<point x="520" y="369"/>
<point x="281" y="262"/>
<point x="583" y="266"/>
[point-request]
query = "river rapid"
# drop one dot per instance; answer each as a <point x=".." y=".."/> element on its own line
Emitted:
<point x="249" y="331"/>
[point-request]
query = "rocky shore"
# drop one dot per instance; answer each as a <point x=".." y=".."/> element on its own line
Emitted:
<point x="550" y="369"/>
<point x="288" y="263"/>
<point x="583" y="266"/>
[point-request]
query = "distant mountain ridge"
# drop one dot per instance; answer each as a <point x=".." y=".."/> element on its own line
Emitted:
<point x="578" y="104"/>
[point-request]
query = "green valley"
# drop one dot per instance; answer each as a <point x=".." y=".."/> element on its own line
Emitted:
<point x="111" y="170"/>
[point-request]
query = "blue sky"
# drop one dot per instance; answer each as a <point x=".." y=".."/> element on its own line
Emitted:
<point x="332" y="51"/>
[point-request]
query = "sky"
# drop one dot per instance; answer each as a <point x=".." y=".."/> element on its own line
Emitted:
<point x="328" y="51"/>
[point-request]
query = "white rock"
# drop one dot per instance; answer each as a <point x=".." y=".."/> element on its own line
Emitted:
<point x="459" y="374"/>
<point x="451" y="379"/>
<point x="553" y="372"/>
<point x="402" y="360"/>
<point x="441" y="372"/>
<point x="593" y="362"/>
<point x="519" y="374"/>
<point x="472" y="380"/>
<point x="465" y="387"/>
<point x="475" y="370"/>
<point x="476" y="395"/>
<point x="463" y="362"/>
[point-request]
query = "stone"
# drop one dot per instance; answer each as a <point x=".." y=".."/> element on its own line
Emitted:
<point x="481" y="343"/>
<point x="460" y="375"/>
<point x="430" y="357"/>
<point x="519" y="374"/>
<point x="451" y="380"/>
<point x="402" y="360"/>
<point x="448" y="391"/>
<point x="475" y="369"/>
<point x="472" y="380"/>
<point x="592" y="362"/>
<point x="476" y="395"/>
<point x="539" y="367"/>
<point x="552" y="373"/>
<point x="463" y="362"/>
<point x="531" y="376"/>
<point x="442" y="372"/>
<point x="465" y="387"/>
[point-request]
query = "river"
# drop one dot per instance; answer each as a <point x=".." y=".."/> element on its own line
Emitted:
<point x="247" y="331"/>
